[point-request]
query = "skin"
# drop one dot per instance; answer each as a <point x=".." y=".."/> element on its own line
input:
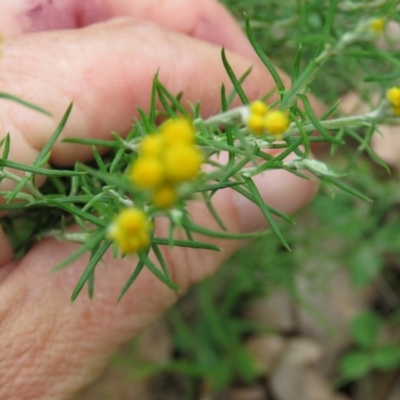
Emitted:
<point x="50" y="348"/>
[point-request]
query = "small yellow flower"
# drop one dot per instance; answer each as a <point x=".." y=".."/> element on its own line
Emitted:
<point x="377" y="25"/>
<point x="393" y="95"/>
<point x="177" y="131"/>
<point x="258" y="107"/>
<point x="182" y="163"/>
<point x="131" y="230"/>
<point x="255" y="123"/>
<point x="164" y="197"/>
<point x="151" y="145"/>
<point x="147" y="172"/>
<point x="276" y="122"/>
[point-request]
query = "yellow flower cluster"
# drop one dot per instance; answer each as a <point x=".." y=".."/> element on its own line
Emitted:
<point x="261" y="119"/>
<point x="167" y="159"/>
<point x="393" y="95"/>
<point x="131" y="230"/>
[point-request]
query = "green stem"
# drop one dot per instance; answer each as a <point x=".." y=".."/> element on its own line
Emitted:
<point x="376" y="116"/>
<point x="225" y="117"/>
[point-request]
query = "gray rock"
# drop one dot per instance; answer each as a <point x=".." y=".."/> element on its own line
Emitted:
<point x="266" y="351"/>
<point x="296" y="375"/>
<point x="274" y="312"/>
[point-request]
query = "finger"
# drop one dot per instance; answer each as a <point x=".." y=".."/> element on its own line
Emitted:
<point x="107" y="71"/>
<point x="207" y="19"/>
<point x="6" y="251"/>
<point x="70" y="343"/>
<point x="99" y="68"/>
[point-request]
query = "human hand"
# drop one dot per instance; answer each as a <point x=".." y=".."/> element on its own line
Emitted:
<point x="50" y="348"/>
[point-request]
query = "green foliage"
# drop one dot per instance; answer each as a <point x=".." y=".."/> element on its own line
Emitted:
<point x="370" y="354"/>
<point x="355" y="365"/>
<point x="212" y="344"/>
<point x="365" y="329"/>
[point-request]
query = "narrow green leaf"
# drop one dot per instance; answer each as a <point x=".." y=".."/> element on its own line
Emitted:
<point x="364" y="145"/>
<point x="59" y="185"/>
<point x="99" y="160"/>
<point x="344" y="187"/>
<point x="263" y="57"/>
<point x="214" y="212"/>
<point x="230" y="172"/>
<point x="280" y="214"/>
<point x="218" y="186"/>
<point x="382" y="77"/>
<point x="296" y="66"/>
<point x="304" y="135"/>
<point x="94" y="260"/>
<point x="224" y="103"/>
<point x="138" y="269"/>
<point x="91" y="285"/>
<point x="283" y="154"/>
<point x="314" y="38"/>
<point x="6" y="150"/>
<point x="330" y="110"/>
<point x="112" y="144"/>
<point x="143" y="122"/>
<point x="14" y="207"/>
<point x="76" y="212"/>
<point x="222" y="235"/>
<point x="189" y="234"/>
<point x="330" y="18"/>
<point x="339" y="136"/>
<point x="171" y="231"/>
<point x="38" y="170"/>
<point x="110" y="179"/>
<point x="24" y="103"/>
<point x="185" y="243"/>
<point x="228" y="129"/>
<point x="232" y="94"/>
<point x="153" y="99"/>
<point x="44" y="153"/>
<point x="233" y="78"/>
<point x="163" y="100"/>
<point x="93" y="201"/>
<point x="298" y="84"/>
<point x="54" y="137"/>
<point x="176" y="104"/>
<point x="74" y="185"/>
<point x="87" y="246"/>
<point x="315" y="121"/>
<point x="157" y="272"/>
<point x="265" y="210"/>
<point x="160" y="258"/>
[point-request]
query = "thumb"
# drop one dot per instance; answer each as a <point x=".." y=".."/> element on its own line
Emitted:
<point x="107" y="71"/>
